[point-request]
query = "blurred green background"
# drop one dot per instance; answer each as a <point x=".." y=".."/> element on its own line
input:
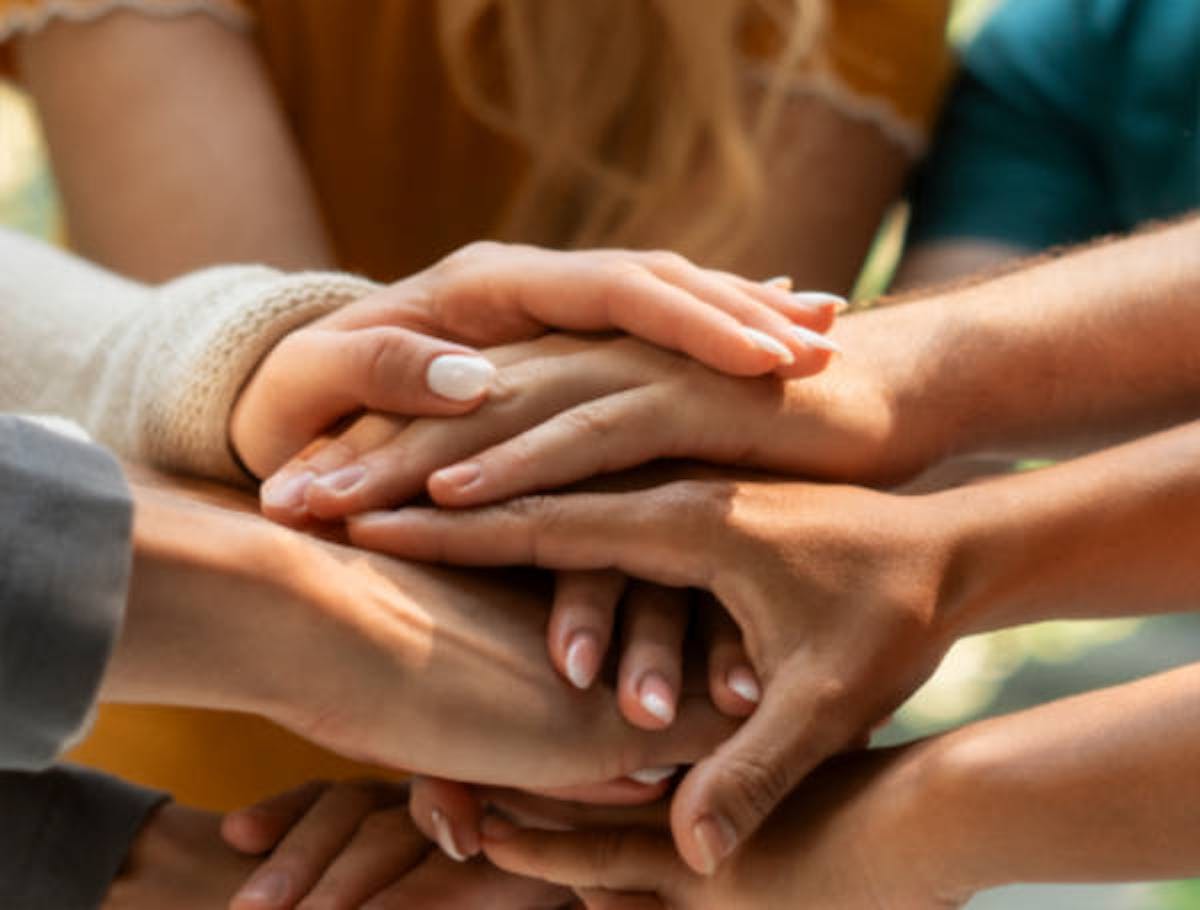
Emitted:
<point x="982" y="675"/>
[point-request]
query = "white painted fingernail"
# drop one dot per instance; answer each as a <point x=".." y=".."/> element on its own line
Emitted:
<point x="445" y="836"/>
<point x="582" y="655"/>
<point x="286" y="492"/>
<point x="817" y="300"/>
<point x="656" y="697"/>
<point x="744" y="684"/>
<point x="459" y="377"/>
<point x="782" y="282"/>
<point x="652" y="776"/>
<point x="809" y="338"/>
<point x="765" y="342"/>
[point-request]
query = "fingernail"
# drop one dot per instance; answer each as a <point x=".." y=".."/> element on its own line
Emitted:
<point x="286" y="492"/>
<point x="812" y="339"/>
<point x="445" y="836"/>
<point x="716" y="838"/>
<point x="765" y="342"/>
<point x="652" y="776"/>
<point x="583" y="659"/>
<point x="818" y="300"/>
<point x="743" y="682"/>
<point x="460" y="476"/>
<point x="657" y="697"/>
<point x="495" y="828"/>
<point x="342" y="480"/>
<point x="459" y="377"/>
<point x="270" y="889"/>
<point x="783" y="282"/>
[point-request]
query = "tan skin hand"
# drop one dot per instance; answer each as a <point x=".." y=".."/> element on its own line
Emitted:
<point x="840" y="616"/>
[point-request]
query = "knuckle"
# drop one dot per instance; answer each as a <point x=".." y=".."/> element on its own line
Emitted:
<point x="666" y="260"/>
<point x="753" y="787"/>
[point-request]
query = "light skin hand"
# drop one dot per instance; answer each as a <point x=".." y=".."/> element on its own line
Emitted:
<point x="352" y="844"/>
<point x="385" y="351"/>
<point x="840" y="615"/>
<point x="229" y="611"/>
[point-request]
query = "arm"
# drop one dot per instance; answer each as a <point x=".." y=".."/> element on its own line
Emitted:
<point x="1098" y="787"/>
<point x="180" y="115"/>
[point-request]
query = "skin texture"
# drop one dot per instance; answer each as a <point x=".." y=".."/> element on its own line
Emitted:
<point x="395" y="641"/>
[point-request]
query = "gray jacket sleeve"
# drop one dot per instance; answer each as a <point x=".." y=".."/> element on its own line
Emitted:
<point x="65" y="524"/>
<point x="65" y="835"/>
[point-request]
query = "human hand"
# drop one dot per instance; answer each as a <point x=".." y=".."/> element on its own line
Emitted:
<point x="420" y="669"/>
<point x="839" y="593"/>
<point x="403" y="349"/>
<point x="178" y="860"/>
<point x="864" y="831"/>
<point x="352" y="844"/>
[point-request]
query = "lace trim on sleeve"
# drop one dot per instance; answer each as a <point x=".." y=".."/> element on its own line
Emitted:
<point x="31" y="19"/>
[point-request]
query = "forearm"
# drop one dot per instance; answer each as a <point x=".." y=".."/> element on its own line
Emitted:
<point x="1109" y="534"/>
<point x="1069" y="354"/>
<point x="1099" y="787"/>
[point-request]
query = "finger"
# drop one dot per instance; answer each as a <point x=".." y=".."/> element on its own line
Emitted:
<point x="594" y="899"/>
<point x="555" y="813"/>
<point x="732" y="682"/>
<point x="449" y="813"/>
<point x="596" y="437"/>
<point x="581" y="621"/>
<point x="324" y="471"/>
<point x="670" y="535"/>
<point x="439" y="883"/>
<point x="308" y="848"/>
<point x="651" y="668"/>
<point x="802" y="350"/>
<point x="614" y="859"/>
<point x="258" y="828"/>
<point x="727" y="796"/>
<point x="386" y="845"/>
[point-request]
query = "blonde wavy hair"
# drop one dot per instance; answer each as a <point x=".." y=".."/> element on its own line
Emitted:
<point x="629" y="109"/>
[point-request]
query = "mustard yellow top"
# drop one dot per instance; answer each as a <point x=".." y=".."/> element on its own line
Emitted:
<point x="356" y="88"/>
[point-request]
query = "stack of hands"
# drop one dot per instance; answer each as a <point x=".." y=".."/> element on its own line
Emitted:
<point x="737" y="603"/>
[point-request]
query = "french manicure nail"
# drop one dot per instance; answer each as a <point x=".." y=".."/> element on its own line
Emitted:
<point x="765" y="342"/>
<point x="782" y="282"/>
<point x="459" y="476"/>
<point x="809" y="338"/>
<point x="459" y="377"/>
<point x="342" y="480"/>
<point x="445" y="836"/>
<point x="652" y="776"/>
<point x="817" y="300"/>
<point x="583" y="658"/>
<point x="657" y="698"/>
<point x="269" y="890"/>
<point x="284" y="492"/>
<point x="716" y="838"/>
<point x="743" y="683"/>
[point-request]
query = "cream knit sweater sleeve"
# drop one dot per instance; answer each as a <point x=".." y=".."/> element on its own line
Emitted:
<point x="151" y="372"/>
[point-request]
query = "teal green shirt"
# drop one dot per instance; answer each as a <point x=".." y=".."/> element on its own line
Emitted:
<point x="1072" y="119"/>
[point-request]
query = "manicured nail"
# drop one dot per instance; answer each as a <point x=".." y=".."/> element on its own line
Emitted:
<point x="495" y="828"/>
<point x="716" y="838"/>
<point x="445" y="836"/>
<point x="286" y="492"/>
<point x="657" y="697"/>
<point x="342" y="480"/>
<point x="818" y="300"/>
<point x="459" y="477"/>
<point x="743" y="683"/>
<point x="809" y="338"/>
<point x="583" y="659"/>
<point x="652" y="776"/>
<point x="459" y="377"/>
<point x="782" y="282"/>
<point x="268" y="890"/>
<point x="765" y="342"/>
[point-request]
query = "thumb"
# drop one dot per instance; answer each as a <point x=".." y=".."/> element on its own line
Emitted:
<point x="726" y="797"/>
